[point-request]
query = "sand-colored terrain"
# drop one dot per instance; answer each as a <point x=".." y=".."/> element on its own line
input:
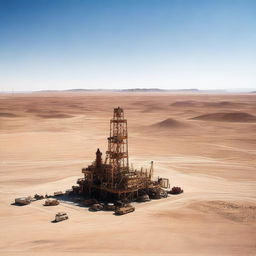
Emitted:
<point x="205" y="143"/>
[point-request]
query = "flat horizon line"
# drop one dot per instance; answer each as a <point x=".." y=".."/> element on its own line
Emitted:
<point x="192" y="90"/>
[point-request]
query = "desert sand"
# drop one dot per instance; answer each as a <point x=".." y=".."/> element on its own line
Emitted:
<point x="205" y="143"/>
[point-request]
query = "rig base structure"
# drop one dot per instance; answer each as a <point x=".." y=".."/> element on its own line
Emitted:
<point x="113" y="179"/>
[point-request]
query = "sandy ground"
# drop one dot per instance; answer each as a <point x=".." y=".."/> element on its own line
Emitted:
<point x="205" y="143"/>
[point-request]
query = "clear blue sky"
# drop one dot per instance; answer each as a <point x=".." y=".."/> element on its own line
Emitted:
<point x="62" y="44"/>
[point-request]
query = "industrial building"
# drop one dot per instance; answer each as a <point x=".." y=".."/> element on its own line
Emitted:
<point x="113" y="179"/>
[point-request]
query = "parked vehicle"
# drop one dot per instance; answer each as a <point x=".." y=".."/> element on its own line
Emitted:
<point x="58" y="193"/>
<point x="38" y="197"/>
<point x="143" y="198"/>
<point x="60" y="216"/>
<point x="176" y="191"/>
<point x="51" y="202"/>
<point x="109" y="207"/>
<point x="96" y="207"/>
<point x="23" y="200"/>
<point x="163" y="193"/>
<point x="157" y="193"/>
<point x="124" y="210"/>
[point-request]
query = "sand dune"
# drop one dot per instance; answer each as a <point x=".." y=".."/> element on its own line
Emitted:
<point x="44" y="150"/>
<point x="235" y="211"/>
<point x="227" y="117"/>
<point x="48" y="113"/>
<point x="7" y="114"/>
<point x="186" y="103"/>
<point x="221" y="104"/>
<point x="54" y="115"/>
<point x="214" y="104"/>
<point x="170" y="123"/>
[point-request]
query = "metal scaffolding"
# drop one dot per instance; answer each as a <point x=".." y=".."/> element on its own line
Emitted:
<point x="117" y="153"/>
<point x="114" y="178"/>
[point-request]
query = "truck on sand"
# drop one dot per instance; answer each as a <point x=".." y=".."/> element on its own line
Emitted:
<point x="23" y="200"/>
<point x="60" y="216"/>
<point x="124" y="210"/>
<point x="51" y="202"/>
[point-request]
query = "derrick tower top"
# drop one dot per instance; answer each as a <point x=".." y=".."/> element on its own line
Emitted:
<point x="117" y="153"/>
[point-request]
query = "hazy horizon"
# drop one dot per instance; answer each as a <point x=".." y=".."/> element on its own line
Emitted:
<point x="178" y="44"/>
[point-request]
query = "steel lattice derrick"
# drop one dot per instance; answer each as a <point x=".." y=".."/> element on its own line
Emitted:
<point x="117" y="153"/>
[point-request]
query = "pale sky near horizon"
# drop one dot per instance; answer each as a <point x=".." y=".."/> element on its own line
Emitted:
<point x="117" y="44"/>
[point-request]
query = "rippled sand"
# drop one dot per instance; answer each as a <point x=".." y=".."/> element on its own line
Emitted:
<point x="46" y="138"/>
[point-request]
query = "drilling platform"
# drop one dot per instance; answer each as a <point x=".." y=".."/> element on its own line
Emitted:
<point x="113" y="179"/>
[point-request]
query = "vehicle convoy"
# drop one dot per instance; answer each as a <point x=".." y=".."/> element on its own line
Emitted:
<point x="51" y="202"/>
<point x="60" y="216"/>
<point x="124" y="210"/>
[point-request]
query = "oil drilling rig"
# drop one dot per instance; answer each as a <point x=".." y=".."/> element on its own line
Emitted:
<point x="113" y="179"/>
